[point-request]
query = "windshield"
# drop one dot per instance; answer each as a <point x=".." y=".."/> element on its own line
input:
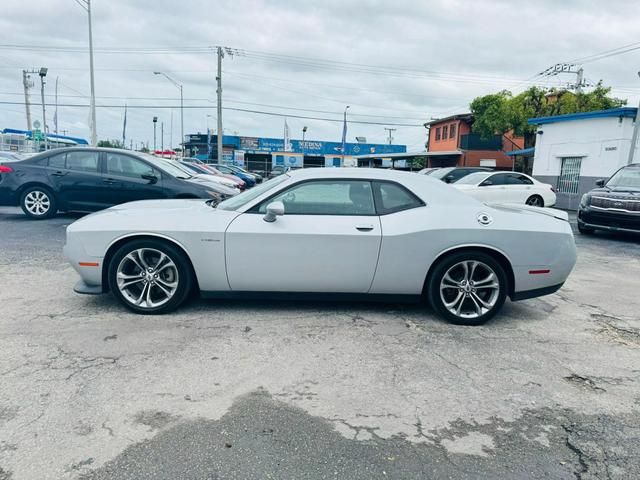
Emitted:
<point x="245" y="197"/>
<point x="473" y="178"/>
<point x="167" y="167"/>
<point x="625" y="178"/>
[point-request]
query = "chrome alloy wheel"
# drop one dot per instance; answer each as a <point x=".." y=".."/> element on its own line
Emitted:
<point x="147" y="277"/>
<point x="37" y="202"/>
<point x="469" y="289"/>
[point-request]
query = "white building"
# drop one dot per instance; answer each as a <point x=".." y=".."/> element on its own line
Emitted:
<point x="573" y="151"/>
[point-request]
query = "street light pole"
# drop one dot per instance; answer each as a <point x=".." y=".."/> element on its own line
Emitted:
<point x="304" y="131"/>
<point x="155" y="122"/>
<point x="634" y="136"/>
<point x="43" y="73"/>
<point x="220" y="134"/>
<point x="344" y="134"/>
<point x="179" y="85"/>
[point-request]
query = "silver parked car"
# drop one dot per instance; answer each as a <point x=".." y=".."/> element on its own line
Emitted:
<point x="354" y="233"/>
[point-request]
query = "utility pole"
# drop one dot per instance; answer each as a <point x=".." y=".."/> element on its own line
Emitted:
<point x="634" y="135"/>
<point x="220" y="134"/>
<point x="94" y="135"/>
<point x="390" y="130"/>
<point x="43" y="73"/>
<point x="55" y="114"/>
<point x="26" y="82"/>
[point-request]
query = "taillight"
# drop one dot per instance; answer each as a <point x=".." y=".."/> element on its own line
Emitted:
<point x="5" y="169"/>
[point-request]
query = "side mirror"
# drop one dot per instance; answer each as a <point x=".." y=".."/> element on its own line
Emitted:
<point x="448" y="179"/>
<point x="274" y="210"/>
<point x="486" y="183"/>
<point x="150" y="177"/>
<point x="600" y="183"/>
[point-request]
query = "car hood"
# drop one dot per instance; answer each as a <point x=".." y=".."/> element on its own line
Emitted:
<point x="156" y="216"/>
<point x="617" y="192"/>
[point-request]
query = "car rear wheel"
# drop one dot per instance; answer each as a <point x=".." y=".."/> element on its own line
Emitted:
<point x="150" y="276"/>
<point x="535" y="201"/>
<point x="467" y="288"/>
<point x="38" y="203"/>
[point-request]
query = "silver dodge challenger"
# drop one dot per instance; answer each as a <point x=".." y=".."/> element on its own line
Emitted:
<point x="334" y="233"/>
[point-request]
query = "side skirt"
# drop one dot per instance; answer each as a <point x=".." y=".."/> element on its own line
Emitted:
<point x="313" y="296"/>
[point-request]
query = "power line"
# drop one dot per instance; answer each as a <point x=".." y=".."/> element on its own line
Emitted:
<point x="198" y="107"/>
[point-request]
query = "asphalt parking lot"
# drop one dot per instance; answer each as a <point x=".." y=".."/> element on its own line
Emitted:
<point x="228" y="390"/>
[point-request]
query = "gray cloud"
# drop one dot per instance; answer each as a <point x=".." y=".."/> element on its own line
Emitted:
<point x="482" y="47"/>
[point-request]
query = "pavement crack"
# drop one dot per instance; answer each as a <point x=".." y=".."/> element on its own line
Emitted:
<point x="584" y="466"/>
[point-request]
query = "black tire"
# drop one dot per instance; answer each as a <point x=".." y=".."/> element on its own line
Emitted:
<point x="468" y="302"/>
<point x="182" y="274"/>
<point x="38" y="203"/>
<point x="535" y="201"/>
<point x="585" y="230"/>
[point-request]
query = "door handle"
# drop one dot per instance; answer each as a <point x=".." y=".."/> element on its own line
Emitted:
<point x="59" y="174"/>
<point x="109" y="181"/>
<point x="364" y="228"/>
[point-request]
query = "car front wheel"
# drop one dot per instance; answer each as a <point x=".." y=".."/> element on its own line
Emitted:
<point x="38" y="203"/>
<point x="467" y="288"/>
<point x="150" y="276"/>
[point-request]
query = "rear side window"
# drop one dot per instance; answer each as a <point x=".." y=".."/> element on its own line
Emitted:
<point x="83" y="161"/>
<point x="391" y="198"/>
<point x="57" y="161"/>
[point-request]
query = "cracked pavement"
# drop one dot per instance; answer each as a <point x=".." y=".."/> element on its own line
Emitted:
<point x="222" y="390"/>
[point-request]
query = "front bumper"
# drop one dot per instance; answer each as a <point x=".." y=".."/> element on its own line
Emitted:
<point x="81" y="287"/>
<point x="612" y="220"/>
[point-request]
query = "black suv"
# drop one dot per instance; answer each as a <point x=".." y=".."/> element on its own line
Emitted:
<point x="453" y="174"/>
<point x="614" y="205"/>
<point x="88" y="179"/>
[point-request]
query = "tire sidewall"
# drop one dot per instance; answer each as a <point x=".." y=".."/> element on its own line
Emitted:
<point x="183" y="265"/>
<point x="539" y="198"/>
<point x="53" y="204"/>
<point x="433" y="287"/>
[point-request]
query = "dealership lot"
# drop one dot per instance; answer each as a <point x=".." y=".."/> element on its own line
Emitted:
<point x="550" y="387"/>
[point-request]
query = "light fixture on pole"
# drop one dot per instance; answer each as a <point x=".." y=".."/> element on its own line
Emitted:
<point x="304" y="131"/>
<point x="181" y="106"/>
<point x="43" y="73"/>
<point x="155" y="122"/>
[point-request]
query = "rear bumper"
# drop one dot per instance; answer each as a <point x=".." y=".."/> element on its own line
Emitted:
<point x="8" y="197"/>
<point x="608" y="220"/>
<point x="538" y="292"/>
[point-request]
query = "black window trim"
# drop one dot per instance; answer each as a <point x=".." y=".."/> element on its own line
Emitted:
<point x="255" y="209"/>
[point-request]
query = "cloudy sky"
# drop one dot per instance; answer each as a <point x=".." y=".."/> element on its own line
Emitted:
<point x="398" y="62"/>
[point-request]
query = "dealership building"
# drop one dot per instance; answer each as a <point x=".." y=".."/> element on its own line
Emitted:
<point x="258" y="153"/>
<point x="573" y="151"/>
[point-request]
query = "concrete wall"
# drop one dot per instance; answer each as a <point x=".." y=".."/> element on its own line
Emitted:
<point x="603" y="144"/>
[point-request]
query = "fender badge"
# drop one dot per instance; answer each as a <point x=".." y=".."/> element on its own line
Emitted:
<point x="484" y="219"/>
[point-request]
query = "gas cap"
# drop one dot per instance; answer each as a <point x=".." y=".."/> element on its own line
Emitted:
<point x="484" y="219"/>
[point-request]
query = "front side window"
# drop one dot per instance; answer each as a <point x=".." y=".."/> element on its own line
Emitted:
<point x="391" y="197"/>
<point x="83" y="161"/>
<point x="326" y="197"/>
<point x="498" y="179"/>
<point x="125" y="166"/>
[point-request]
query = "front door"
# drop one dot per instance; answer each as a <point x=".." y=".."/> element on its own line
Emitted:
<point x="494" y="189"/>
<point x="328" y="240"/>
<point x="130" y="179"/>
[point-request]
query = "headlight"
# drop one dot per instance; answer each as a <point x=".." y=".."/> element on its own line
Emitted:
<point x="584" y="201"/>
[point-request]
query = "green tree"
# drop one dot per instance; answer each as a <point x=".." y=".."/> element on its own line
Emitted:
<point x="501" y="112"/>
<point x="110" y="144"/>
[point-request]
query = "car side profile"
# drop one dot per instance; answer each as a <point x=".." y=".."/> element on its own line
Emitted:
<point x="507" y="187"/>
<point x="326" y="233"/>
<point x="453" y="174"/>
<point x="90" y="179"/>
